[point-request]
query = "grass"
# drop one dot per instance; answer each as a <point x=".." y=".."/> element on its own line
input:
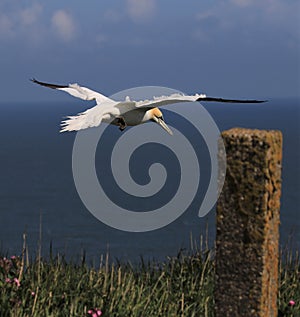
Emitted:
<point x="180" y="286"/>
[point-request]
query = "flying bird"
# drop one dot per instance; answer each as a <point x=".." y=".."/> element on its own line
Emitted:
<point x="124" y="113"/>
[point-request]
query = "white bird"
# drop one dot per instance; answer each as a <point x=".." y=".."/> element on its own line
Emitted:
<point x="124" y="113"/>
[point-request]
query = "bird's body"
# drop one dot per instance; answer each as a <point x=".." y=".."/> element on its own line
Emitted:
<point x="123" y="113"/>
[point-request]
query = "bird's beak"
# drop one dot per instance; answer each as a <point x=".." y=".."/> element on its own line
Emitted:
<point x="162" y="123"/>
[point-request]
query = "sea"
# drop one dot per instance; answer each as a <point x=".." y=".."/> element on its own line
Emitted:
<point x="39" y="200"/>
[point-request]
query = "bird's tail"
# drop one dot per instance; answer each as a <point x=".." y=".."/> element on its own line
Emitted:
<point x="87" y="119"/>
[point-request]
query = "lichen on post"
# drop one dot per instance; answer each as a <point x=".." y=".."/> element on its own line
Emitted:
<point x="247" y="242"/>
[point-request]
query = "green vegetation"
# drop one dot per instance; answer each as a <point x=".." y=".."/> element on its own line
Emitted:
<point x="181" y="286"/>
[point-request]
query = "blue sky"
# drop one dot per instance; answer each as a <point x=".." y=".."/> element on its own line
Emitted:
<point x="229" y="48"/>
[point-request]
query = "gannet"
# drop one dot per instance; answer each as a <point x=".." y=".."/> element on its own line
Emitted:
<point x="124" y="113"/>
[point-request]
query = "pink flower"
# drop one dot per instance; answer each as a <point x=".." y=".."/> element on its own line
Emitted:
<point x="291" y="303"/>
<point x="13" y="257"/>
<point x="33" y="294"/>
<point x="95" y="312"/>
<point x="8" y="280"/>
<point x="17" y="282"/>
<point x="92" y="313"/>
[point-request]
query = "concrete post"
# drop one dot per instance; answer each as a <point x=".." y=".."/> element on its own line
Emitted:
<point x="248" y="225"/>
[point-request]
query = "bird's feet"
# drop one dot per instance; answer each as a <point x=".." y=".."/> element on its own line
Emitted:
<point x="121" y="123"/>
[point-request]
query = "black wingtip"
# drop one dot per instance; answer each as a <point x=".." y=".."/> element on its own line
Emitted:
<point x="53" y="86"/>
<point x="213" y="99"/>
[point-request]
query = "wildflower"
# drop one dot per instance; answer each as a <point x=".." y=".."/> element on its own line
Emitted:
<point x="291" y="303"/>
<point x="95" y="312"/>
<point x="8" y="280"/>
<point x="5" y="264"/>
<point x="13" y="257"/>
<point x="32" y="294"/>
<point x="17" y="282"/>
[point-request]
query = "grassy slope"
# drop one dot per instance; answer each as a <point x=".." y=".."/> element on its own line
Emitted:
<point x="181" y="286"/>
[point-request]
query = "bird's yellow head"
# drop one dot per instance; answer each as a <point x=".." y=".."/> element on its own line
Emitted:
<point x="157" y="113"/>
<point x="157" y="116"/>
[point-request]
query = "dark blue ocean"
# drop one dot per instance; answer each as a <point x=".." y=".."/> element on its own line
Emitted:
<point x="38" y="196"/>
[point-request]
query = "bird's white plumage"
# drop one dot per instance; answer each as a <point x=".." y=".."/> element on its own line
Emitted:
<point x="84" y="93"/>
<point x="90" y="118"/>
<point x="123" y="113"/>
<point x="109" y="109"/>
<point x="167" y="100"/>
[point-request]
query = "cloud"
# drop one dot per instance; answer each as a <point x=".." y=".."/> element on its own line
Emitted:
<point x="140" y="10"/>
<point x="31" y="15"/>
<point x="15" y="20"/>
<point x="242" y="3"/>
<point x="245" y="18"/>
<point x="6" y="26"/>
<point x="112" y="16"/>
<point x="64" y="25"/>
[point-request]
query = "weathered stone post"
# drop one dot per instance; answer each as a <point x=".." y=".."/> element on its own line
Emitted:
<point x="248" y="225"/>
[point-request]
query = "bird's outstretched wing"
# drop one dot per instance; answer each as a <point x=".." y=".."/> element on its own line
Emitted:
<point x="77" y="91"/>
<point x="167" y="100"/>
<point x="176" y="98"/>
